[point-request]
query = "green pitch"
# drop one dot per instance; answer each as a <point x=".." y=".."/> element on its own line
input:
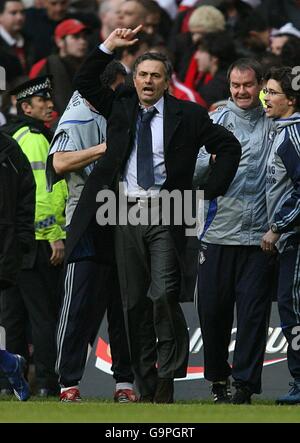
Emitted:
<point x="95" y="411"/>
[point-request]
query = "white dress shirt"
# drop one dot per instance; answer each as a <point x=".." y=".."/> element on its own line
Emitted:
<point x="132" y="189"/>
<point x="11" y="41"/>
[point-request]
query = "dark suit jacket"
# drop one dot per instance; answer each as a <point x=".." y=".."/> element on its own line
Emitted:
<point x="11" y="62"/>
<point x="187" y="127"/>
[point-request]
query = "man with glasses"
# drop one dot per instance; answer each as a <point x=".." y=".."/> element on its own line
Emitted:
<point x="283" y="196"/>
<point x="232" y="267"/>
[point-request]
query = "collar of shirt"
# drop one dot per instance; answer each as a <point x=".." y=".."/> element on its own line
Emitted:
<point x="18" y="42"/>
<point x="158" y="105"/>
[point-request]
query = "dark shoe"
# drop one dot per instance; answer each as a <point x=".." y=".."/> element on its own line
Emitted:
<point x="4" y="392"/>
<point x="125" y="396"/>
<point x="164" y="391"/>
<point x="221" y="392"/>
<point x="47" y="392"/>
<point x="42" y="393"/>
<point x="17" y="380"/>
<point x="292" y="397"/>
<point x="242" y="395"/>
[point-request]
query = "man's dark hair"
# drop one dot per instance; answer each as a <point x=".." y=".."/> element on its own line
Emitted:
<point x="150" y="5"/>
<point x="221" y="45"/>
<point x="243" y="64"/>
<point x="269" y="60"/>
<point x="290" y="53"/>
<point x="285" y="77"/>
<point x="156" y="57"/>
<point x="111" y="72"/>
<point x="3" y="4"/>
<point x="19" y="105"/>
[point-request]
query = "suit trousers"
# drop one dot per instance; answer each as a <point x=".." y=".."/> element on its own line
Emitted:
<point x="228" y="276"/>
<point x="150" y="284"/>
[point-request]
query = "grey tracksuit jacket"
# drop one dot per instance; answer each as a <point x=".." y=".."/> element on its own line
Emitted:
<point x="240" y="216"/>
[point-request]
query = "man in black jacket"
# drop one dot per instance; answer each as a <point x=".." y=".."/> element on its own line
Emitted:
<point x="17" y="206"/>
<point x="14" y="48"/>
<point x="36" y="294"/>
<point x="149" y="256"/>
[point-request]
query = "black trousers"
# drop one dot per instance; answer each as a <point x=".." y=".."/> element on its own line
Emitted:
<point x="29" y="311"/>
<point x="90" y="289"/>
<point x="289" y="303"/>
<point x="230" y="275"/>
<point x="150" y="284"/>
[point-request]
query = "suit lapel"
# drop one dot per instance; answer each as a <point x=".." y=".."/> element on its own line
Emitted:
<point x="172" y="119"/>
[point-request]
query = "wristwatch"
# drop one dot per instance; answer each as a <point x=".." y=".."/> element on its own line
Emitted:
<point x="274" y="228"/>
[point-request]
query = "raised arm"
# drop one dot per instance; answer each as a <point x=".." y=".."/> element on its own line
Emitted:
<point x="87" y="80"/>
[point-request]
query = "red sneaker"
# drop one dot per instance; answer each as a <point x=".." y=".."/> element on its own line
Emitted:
<point x="70" y="395"/>
<point x="125" y="396"/>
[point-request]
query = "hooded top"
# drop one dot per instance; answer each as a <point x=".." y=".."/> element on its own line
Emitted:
<point x="239" y="217"/>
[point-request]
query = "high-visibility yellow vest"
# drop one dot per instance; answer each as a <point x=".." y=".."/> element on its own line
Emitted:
<point x="50" y="206"/>
<point x="262" y="98"/>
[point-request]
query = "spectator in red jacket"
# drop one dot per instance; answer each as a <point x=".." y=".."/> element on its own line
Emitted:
<point x="71" y="41"/>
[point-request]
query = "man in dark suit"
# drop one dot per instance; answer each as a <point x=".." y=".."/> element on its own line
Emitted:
<point x="15" y="49"/>
<point x="149" y="255"/>
<point x="17" y="207"/>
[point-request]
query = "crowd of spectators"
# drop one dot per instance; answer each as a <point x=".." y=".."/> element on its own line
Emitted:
<point x="202" y="38"/>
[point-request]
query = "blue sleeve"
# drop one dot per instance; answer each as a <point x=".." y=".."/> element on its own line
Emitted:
<point x="289" y="214"/>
